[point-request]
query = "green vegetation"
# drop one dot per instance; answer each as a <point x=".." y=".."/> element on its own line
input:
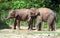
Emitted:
<point x="6" y="5"/>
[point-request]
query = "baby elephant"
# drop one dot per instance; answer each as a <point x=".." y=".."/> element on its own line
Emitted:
<point x="20" y="15"/>
<point x="45" y="15"/>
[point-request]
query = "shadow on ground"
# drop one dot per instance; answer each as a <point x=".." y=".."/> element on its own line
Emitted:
<point x="4" y="25"/>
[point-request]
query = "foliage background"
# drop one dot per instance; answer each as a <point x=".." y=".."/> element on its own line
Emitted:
<point x="6" y="5"/>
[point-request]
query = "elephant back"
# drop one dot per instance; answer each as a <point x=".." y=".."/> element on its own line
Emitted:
<point x="23" y="14"/>
<point x="45" y="13"/>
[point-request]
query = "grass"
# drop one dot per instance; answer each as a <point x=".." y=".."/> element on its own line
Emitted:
<point x="4" y="25"/>
<point x="27" y="33"/>
<point x="39" y="32"/>
<point x="18" y="32"/>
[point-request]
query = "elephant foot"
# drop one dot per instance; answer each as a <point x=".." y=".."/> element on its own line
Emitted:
<point x="48" y="30"/>
<point x="30" y="29"/>
<point x="53" y="30"/>
<point x="18" y="28"/>
<point x="38" y="29"/>
<point x="14" y="28"/>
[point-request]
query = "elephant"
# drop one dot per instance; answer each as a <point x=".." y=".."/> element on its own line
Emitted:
<point x="45" y="15"/>
<point x="21" y="15"/>
<point x="33" y="15"/>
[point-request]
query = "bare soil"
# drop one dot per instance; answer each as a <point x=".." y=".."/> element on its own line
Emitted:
<point x="24" y="33"/>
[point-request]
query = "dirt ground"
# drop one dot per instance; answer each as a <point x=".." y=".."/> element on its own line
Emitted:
<point x="24" y="33"/>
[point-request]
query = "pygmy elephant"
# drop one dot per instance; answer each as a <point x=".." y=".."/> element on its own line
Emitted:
<point x="20" y="15"/>
<point x="45" y="15"/>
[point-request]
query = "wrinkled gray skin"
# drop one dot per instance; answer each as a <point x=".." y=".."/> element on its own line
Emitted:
<point x="21" y="15"/>
<point x="45" y="15"/>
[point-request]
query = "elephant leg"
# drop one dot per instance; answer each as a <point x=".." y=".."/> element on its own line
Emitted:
<point x="34" y="23"/>
<point x="18" y="24"/>
<point x="30" y="22"/>
<point x="50" y="22"/>
<point x="30" y="25"/>
<point x="38" y="23"/>
<point x="48" y="27"/>
<point x="38" y="26"/>
<point x="53" y="26"/>
<point x="15" y="23"/>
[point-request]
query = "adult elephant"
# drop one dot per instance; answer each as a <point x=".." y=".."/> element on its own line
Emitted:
<point x="20" y="15"/>
<point x="44" y="15"/>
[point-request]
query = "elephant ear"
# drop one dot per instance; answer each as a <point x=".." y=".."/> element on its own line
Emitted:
<point x="15" y="13"/>
<point x="37" y="13"/>
<point x="33" y="11"/>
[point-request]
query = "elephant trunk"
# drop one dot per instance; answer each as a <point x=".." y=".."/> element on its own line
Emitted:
<point x="7" y="18"/>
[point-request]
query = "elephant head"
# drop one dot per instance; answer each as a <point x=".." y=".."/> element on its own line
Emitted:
<point x="12" y="14"/>
<point x="34" y="12"/>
